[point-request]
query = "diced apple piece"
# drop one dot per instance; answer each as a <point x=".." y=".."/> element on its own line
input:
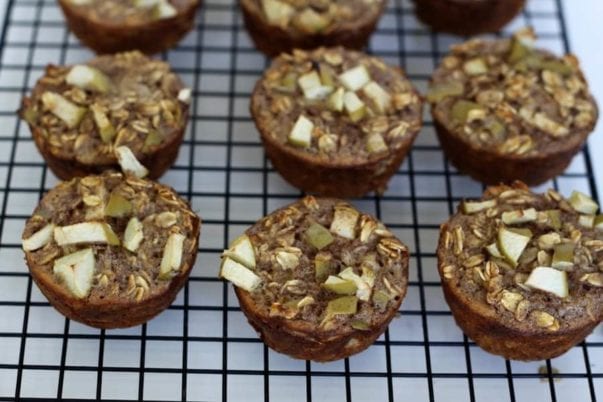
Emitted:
<point x="65" y="110"/>
<point x="475" y="66"/>
<point x="563" y="256"/>
<point x="438" y="92"/>
<point x="340" y="286"/>
<point x="599" y="222"/>
<point x="355" y="78"/>
<point x="335" y="101"/>
<point x="327" y="75"/>
<point x="519" y="216"/>
<point x="323" y="263"/>
<point x="583" y="203"/>
<point x="354" y="107"/>
<point x="145" y="3"/>
<point x="548" y="280"/>
<point x="364" y="289"/>
<point x="185" y="95"/>
<point x="521" y="45"/>
<point x="301" y="134"/>
<point x="376" y="144"/>
<point x="494" y="251"/>
<point x="511" y="244"/>
<point x="381" y="299"/>
<point x="554" y="218"/>
<point x="39" y="239"/>
<point x="342" y="305"/>
<point x="381" y="99"/>
<point x="239" y="275"/>
<point x="311" y="22"/>
<point x="587" y="221"/>
<point x="344" y="222"/>
<point x="278" y="12"/>
<point x="472" y="207"/>
<point x="172" y="255"/>
<point x="105" y="129"/>
<point x="462" y="108"/>
<point x="133" y="235"/>
<point x="165" y="10"/>
<point x="76" y="270"/>
<point x="318" y="236"/>
<point x="312" y="87"/>
<point x="86" y="232"/>
<point x="241" y="250"/>
<point x="129" y="163"/>
<point x="118" y="206"/>
<point x="88" y="78"/>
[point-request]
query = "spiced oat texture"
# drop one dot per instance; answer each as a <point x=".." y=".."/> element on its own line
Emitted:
<point x="111" y="250"/>
<point x="505" y="110"/>
<point x="318" y="279"/>
<point x="523" y="272"/>
<point x="79" y="115"/>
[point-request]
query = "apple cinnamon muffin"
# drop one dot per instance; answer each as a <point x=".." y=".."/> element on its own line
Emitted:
<point x="317" y="279"/>
<point x="277" y="26"/>
<point x="111" y="250"/>
<point x="79" y="115"/>
<point x="467" y="17"/>
<point x="335" y="122"/>
<point x="111" y="26"/>
<point x="523" y="272"/>
<point x="505" y="110"/>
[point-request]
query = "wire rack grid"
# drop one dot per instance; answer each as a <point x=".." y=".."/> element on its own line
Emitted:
<point x="201" y="348"/>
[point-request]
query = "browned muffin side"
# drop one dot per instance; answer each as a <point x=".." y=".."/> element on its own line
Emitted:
<point x="504" y="110"/>
<point x="111" y="251"/>
<point x="335" y="122"/>
<point x="111" y="26"/>
<point x="277" y="26"/>
<point x="523" y="272"/>
<point x="467" y="17"/>
<point x="317" y="279"/>
<point x="80" y="114"/>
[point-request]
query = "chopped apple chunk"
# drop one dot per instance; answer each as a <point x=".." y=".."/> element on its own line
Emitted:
<point x="185" y="95"/>
<point x="548" y="280"/>
<point x="342" y="305"/>
<point x="118" y="206"/>
<point x="301" y="134"/>
<point x="587" y="221"/>
<point x="472" y="207"/>
<point x="86" y="232"/>
<point x="133" y="235"/>
<point x="88" y="78"/>
<point x="312" y="86"/>
<point x="563" y="256"/>
<point x="105" y="129"/>
<point x="278" y="12"/>
<point x="494" y="251"/>
<point x="380" y="98"/>
<point x="475" y="66"/>
<point x="39" y="239"/>
<point x="519" y="216"/>
<point x="344" y="222"/>
<point x="376" y="144"/>
<point x="65" y="110"/>
<point x="354" y="107"/>
<point x="323" y="263"/>
<point x="364" y="288"/>
<point x="76" y="270"/>
<point x="239" y="275"/>
<point x="318" y="236"/>
<point x="172" y="255"/>
<point x="340" y="286"/>
<point x="355" y="78"/>
<point x="129" y="163"/>
<point x="599" y="222"/>
<point x="583" y="203"/>
<point x="335" y="101"/>
<point x="511" y="243"/>
<point x="165" y="9"/>
<point x="241" y="250"/>
<point x="554" y="218"/>
<point x="311" y="22"/>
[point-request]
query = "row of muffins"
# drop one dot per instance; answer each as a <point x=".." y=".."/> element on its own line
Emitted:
<point x="317" y="273"/>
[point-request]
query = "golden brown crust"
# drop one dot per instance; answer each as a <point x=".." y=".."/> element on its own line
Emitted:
<point x="273" y="40"/>
<point x="153" y="37"/>
<point x="467" y="18"/>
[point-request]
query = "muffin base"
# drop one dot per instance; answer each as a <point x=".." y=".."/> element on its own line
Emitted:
<point x="150" y="38"/>
<point x="467" y="18"/>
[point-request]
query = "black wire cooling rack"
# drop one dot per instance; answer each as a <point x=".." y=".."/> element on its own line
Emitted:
<point x="201" y="348"/>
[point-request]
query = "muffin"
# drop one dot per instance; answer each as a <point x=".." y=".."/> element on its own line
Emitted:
<point x="335" y="122"/>
<point x="523" y="272"/>
<point x="317" y="279"/>
<point x="111" y="251"/>
<point x="79" y="115"/>
<point x="277" y="26"/>
<point x="504" y="110"/>
<point x="467" y="17"/>
<point x="111" y="26"/>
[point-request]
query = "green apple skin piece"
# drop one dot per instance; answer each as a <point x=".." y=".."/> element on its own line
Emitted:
<point x="318" y="236"/>
<point x="475" y="66"/>
<point x="65" y="110"/>
<point x="118" y="206"/>
<point x="133" y="235"/>
<point x="76" y="270"/>
<point x="278" y="12"/>
<point x="519" y="216"/>
<point x="344" y="222"/>
<point x="354" y="107"/>
<point x="381" y="99"/>
<point x="599" y="222"/>
<point x="511" y="244"/>
<point x="105" y="129"/>
<point x="461" y="108"/>
<point x="322" y="266"/>
<point x="239" y="275"/>
<point x="172" y="255"/>
<point x="548" y="280"/>
<point x="301" y="134"/>
<point x="241" y="250"/>
<point x="472" y="207"/>
<point x="554" y="218"/>
<point x="381" y="299"/>
<point x="360" y="325"/>
<point x="376" y="144"/>
<point x="438" y="92"/>
<point x="88" y="78"/>
<point x="583" y="203"/>
<point x="327" y="75"/>
<point x="129" y="163"/>
<point x="340" y="286"/>
<point x="85" y="232"/>
<point x="563" y="256"/>
<point x="335" y="101"/>
<point x="342" y="305"/>
<point x="39" y="239"/>
<point x="355" y="78"/>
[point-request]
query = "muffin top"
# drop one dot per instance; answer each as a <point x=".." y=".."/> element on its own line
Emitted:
<point x="508" y="97"/>
<point x="335" y="105"/>
<point x="313" y="17"/>
<point x="83" y="112"/>
<point x="535" y="261"/>
<point x="130" y="12"/>
<point x="321" y="262"/>
<point x="111" y="237"/>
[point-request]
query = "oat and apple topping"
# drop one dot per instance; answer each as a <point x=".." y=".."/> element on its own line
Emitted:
<point x="86" y="111"/>
<point x="320" y="261"/>
<point x="510" y="97"/>
<point x="310" y="17"/>
<point x="111" y="236"/>
<point x="129" y="12"/>
<point x="337" y="104"/>
<point x="537" y="259"/>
